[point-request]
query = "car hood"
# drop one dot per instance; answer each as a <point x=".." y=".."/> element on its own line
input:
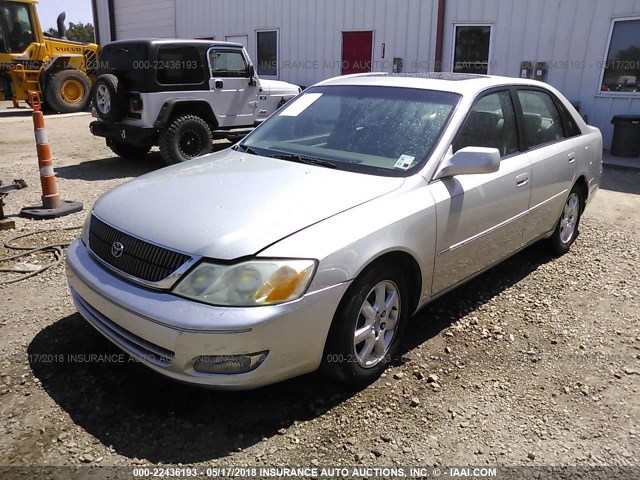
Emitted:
<point x="230" y="204"/>
<point x="278" y="87"/>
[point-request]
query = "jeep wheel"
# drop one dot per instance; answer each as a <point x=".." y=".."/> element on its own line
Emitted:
<point x="127" y="150"/>
<point x="68" y="91"/>
<point x="185" y="138"/>
<point x="109" y="98"/>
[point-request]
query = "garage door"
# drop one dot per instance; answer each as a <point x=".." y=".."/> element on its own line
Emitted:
<point x="148" y="19"/>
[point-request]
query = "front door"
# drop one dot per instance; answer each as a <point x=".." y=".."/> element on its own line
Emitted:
<point x="357" y="48"/>
<point x="235" y="99"/>
<point x="481" y="218"/>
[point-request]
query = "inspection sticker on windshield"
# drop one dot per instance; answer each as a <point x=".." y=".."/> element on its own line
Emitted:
<point x="300" y="105"/>
<point x="404" y="162"/>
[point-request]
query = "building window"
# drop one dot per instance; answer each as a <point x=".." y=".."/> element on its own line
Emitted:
<point x="267" y="58"/>
<point x="622" y="65"/>
<point x="471" y="52"/>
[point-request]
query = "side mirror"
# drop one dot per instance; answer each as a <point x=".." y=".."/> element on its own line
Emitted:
<point x="469" y="161"/>
<point x="251" y="71"/>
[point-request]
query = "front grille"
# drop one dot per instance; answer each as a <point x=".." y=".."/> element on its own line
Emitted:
<point x="140" y="259"/>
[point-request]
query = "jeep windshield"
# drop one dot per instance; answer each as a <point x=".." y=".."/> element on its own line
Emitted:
<point x="369" y="129"/>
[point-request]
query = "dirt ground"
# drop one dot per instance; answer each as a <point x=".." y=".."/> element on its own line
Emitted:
<point x="535" y="363"/>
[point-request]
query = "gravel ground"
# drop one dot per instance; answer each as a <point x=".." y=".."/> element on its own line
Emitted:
<point x="536" y="362"/>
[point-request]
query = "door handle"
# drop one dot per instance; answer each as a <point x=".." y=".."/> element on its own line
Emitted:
<point x="219" y="84"/>
<point x="522" y="179"/>
<point x="572" y="157"/>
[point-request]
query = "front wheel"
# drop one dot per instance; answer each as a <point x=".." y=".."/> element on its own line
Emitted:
<point x="368" y="326"/>
<point x="68" y="91"/>
<point x="566" y="230"/>
<point x="187" y="137"/>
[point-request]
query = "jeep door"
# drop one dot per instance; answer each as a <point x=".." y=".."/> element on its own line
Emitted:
<point x="235" y="94"/>
<point x="481" y="217"/>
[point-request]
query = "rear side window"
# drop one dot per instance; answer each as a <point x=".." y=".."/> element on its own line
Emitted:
<point x="541" y="120"/>
<point x="179" y="65"/>
<point x="491" y="123"/>
<point x="225" y="63"/>
<point x="570" y="126"/>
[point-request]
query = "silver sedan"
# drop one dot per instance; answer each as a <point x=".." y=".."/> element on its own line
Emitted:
<point x="310" y="243"/>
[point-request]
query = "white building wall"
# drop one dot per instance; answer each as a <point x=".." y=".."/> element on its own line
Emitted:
<point x="310" y="31"/>
<point x="145" y="18"/>
<point x="570" y="35"/>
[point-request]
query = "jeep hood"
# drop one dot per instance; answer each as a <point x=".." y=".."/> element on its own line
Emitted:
<point x="231" y="204"/>
<point x="277" y="87"/>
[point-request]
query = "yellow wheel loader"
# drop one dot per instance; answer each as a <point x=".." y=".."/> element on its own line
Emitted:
<point x="60" y="70"/>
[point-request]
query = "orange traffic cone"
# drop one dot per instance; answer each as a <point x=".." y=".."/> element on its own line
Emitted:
<point x="52" y="206"/>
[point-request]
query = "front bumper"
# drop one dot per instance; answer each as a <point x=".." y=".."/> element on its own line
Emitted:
<point x="166" y="332"/>
<point x="123" y="132"/>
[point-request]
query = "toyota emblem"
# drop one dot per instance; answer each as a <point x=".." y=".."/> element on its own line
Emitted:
<point x="117" y="249"/>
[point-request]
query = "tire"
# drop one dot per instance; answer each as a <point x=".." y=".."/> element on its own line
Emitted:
<point x="187" y="137"/>
<point x="127" y="150"/>
<point x="359" y="363"/>
<point x="68" y="91"/>
<point x="109" y="98"/>
<point x="566" y="230"/>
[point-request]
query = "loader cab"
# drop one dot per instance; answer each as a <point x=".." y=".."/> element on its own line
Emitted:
<point x="18" y="26"/>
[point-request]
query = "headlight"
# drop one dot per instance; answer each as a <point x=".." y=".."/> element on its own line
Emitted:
<point x="257" y="282"/>
<point x="84" y="236"/>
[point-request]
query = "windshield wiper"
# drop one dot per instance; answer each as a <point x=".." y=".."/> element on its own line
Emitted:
<point x="248" y="150"/>
<point x="292" y="157"/>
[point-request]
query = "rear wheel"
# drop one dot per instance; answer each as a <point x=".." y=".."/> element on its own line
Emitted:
<point x="68" y="91"/>
<point x="127" y="150"/>
<point x="368" y="326"/>
<point x="566" y="230"/>
<point x="187" y="137"/>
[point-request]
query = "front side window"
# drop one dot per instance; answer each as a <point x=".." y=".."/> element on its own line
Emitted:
<point x="471" y="50"/>
<point x="179" y="65"/>
<point x="491" y="123"/>
<point x="268" y="53"/>
<point x="377" y="130"/>
<point x="541" y="119"/>
<point x="15" y="27"/>
<point x="622" y="65"/>
<point x="226" y="63"/>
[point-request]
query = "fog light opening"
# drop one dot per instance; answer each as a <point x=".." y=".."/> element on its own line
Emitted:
<point x="228" y="364"/>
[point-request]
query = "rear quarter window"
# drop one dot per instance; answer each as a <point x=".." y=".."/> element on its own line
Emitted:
<point x="179" y="65"/>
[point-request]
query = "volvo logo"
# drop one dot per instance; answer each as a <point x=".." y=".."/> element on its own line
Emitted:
<point x="117" y="249"/>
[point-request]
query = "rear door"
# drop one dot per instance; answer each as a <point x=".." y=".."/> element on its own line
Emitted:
<point x="480" y="218"/>
<point x="553" y="150"/>
<point x="235" y="94"/>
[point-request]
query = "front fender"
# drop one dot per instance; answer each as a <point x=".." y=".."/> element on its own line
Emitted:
<point x="345" y="244"/>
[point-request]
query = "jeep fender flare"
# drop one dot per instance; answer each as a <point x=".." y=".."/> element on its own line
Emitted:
<point x="176" y="105"/>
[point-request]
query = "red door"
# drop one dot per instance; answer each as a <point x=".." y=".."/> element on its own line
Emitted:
<point x="356" y="52"/>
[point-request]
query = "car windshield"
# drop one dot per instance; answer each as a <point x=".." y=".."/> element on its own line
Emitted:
<point x="370" y="129"/>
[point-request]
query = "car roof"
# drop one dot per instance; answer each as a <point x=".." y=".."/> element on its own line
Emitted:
<point x="462" y="83"/>
<point x="178" y="41"/>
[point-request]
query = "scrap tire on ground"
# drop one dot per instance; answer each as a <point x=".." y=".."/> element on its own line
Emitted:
<point x="68" y="91"/>
<point x="186" y="137"/>
<point x="109" y="98"/>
